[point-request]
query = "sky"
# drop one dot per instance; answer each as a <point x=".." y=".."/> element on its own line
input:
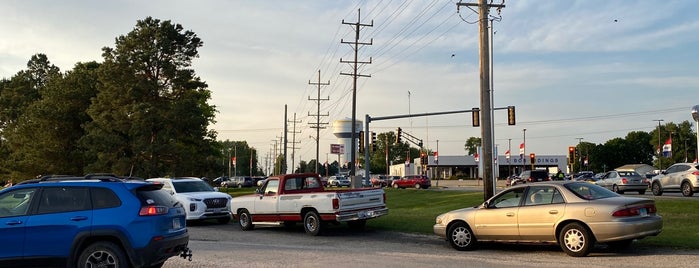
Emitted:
<point x="589" y="70"/>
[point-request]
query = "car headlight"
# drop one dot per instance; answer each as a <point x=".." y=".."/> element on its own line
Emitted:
<point x="439" y="219"/>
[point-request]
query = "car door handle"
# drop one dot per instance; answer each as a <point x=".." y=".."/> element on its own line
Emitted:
<point x="78" y="218"/>
<point x="14" y="222"/>
<point x="510" y="214"/>
<point x="553" y="211"/>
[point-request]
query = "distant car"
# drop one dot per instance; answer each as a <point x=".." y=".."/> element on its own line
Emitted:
<point x="200" y="200"/>
<point x="339" y="181"/>
<point x="622" y="181"/>
<point x="379" y="180"/>
<point x="412" y="181"/>
<point x="529" y="176"/>
<point x="90" y="221"/>
<point x="683" y="177"/>
<point x="257" y="181"/>
<point x="584" y="215"/>
<point x="218" y="181"/>
<point x="588" y="177"/>
<point x="239" y="182"/>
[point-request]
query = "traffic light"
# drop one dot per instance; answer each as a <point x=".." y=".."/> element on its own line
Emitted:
<point x="373" y="141"/>
<point x="361" y="141"/>
<point x="399" y="132"/>
<point x="511" y="115"/>
<point x="423" y="158"/>
<point x="476" y="117"/>
<point x="571" y="154"/>
<point x="532" y="158"/>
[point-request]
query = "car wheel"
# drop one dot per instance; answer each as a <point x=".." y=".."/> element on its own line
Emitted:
<point x="225" y="220"/>
<point x="575" y="240"/>
<point x="656" y="189"/>
<point x="357" y="225"/>
<point x="103" y="254"/>
<point x="616" y="189"/>
<point x="311" y="223"/>
<point x="245" y="220"/>
<point x="687" y="189"/>
<point x="395" y="186"/>
<point x="461" y="237"/>
<point x="417" y="186"/>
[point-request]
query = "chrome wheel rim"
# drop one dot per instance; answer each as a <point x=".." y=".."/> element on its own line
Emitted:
<point x="574" y="240"/>
<point x="461" y="236"/>
<point x="311" y="223"/>
<point x="101" y="259"/>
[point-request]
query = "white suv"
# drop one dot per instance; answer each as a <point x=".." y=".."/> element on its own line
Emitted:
<point x="200" y="200"/>
<point x="683" y="177"/>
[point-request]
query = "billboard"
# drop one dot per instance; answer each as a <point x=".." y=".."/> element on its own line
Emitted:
<point x="337" y="149"/>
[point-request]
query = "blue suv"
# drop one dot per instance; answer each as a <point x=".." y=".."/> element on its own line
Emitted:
<point x="91" y="221"/>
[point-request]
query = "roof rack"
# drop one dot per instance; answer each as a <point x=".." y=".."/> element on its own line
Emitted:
<point x="105" y="177"/>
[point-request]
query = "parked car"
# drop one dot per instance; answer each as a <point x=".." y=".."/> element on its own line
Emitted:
<point x="200" y="200"/>
<point x="294" y="198"/>
<point x="219" y="181"/>
<point x="90" y="221"/>
<point x="528" y="176"/>
<point x="620" y="181"/>
<point x="683" y="177"/>
<point x="339" y="181"/>
<point x="413" y="181"/>
<point x="239" y="182"/>
<point x="258" y="180"/>
<point x="585" y="214"/>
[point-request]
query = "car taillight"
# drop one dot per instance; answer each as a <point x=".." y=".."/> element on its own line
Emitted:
<point x="635" y="211"/>
<point x="624" y="181"/>
<point x="695" y="173"/>
<point x="152" y="211"/>
<point x="336" y="203"/>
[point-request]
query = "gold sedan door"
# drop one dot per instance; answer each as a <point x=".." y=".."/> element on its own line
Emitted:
<point x="498" y="221"/>
<point x="542" y="209"/>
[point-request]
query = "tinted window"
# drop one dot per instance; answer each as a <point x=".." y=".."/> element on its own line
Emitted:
<point x="63" y="199"/>
<point x="155" y="196"/>
<point x="16" y="203"/>
<point x="191" y="186"/>
<point x="589" y="191"/>
<point x="104" y="198"/>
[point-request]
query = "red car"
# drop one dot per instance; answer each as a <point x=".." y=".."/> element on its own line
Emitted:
<point x="415" y="181"/>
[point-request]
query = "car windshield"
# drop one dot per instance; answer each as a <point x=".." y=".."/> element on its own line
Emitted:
<point x="589" y="191"/>
<point x="191" y="186"/>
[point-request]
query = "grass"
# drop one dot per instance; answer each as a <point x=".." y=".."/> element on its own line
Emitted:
<point x="414" y="211"/>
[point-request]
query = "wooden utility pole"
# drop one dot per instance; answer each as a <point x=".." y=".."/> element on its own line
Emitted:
<point x="294" y="142"/>
<point x="486" y="114"/>
<point x="355" y="66"/>
<point x="317" y="124"/>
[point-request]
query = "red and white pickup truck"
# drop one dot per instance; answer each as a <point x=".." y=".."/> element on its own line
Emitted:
<point x="291" y="198"/>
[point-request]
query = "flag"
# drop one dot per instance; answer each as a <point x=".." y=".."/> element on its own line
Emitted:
<point x="521" y="149"/>
<point x="667" y="148"/>
<point x="507" y="154"/>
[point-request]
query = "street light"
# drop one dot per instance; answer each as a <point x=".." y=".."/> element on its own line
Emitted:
<point x="695" y="115"/>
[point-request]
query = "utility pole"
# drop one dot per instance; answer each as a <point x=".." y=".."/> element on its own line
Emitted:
<point x="317" y="124"/>
<point x="485" y="99"/>
<point x="285" y="142"/>
<point x="293" y="142"/>
<point x="355" y="66"/>
<point x="660" y="160"/>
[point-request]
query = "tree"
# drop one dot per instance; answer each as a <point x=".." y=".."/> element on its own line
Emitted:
<point x="472" y="145"/>
<point x="16" y="96"/>
<point x="45" y="139"/>
<point x="151" y="113"/>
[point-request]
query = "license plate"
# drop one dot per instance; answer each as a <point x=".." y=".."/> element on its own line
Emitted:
<point x="176" y="224"/>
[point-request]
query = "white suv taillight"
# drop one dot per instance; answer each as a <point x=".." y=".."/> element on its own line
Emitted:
<point x="153" y="210"/>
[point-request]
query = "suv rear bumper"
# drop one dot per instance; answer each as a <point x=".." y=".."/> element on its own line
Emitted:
<point x="158" y="251"/>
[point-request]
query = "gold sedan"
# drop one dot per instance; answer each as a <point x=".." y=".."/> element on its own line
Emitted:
<point x="573" y="214"/>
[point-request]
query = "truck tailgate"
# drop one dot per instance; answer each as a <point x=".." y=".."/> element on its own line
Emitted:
<point x="361" y="199"/>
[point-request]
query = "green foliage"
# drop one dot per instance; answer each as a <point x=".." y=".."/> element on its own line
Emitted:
<point x="472" y="144"/>
<point x="151" y="113"/>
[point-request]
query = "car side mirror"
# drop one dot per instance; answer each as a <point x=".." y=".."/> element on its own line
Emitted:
<point x="216" y="189"/>
<point x="258" y="191"/>
<point x="485" y="204"/>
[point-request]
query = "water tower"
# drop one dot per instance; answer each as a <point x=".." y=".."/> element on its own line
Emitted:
<point x="343" y="131"/>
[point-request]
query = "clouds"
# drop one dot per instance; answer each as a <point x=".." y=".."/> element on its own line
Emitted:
<point x="553" y="60"/>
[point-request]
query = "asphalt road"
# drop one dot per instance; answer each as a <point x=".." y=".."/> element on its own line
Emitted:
<point x="216" y="245"/>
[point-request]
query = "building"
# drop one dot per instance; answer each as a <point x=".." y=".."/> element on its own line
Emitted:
<point x="466" y="165"/>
